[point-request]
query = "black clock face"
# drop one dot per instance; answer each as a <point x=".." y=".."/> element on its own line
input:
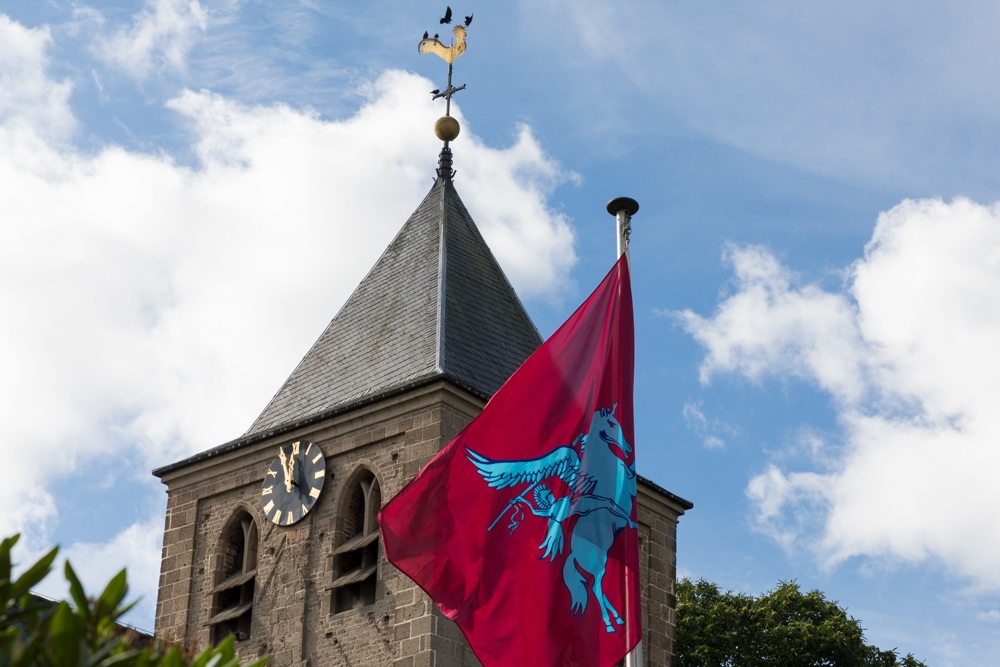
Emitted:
<point x="293" y="482"/>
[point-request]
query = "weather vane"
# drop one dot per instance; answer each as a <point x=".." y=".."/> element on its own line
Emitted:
<point x="446" y="128"/>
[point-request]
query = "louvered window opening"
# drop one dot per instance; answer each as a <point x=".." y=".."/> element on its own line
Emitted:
<point x="355" y="561"/>
<point x="232" y="597"/>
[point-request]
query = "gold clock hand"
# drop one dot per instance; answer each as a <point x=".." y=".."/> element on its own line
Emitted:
<point x="290" y="480"/>
<point x="285" y="468"/>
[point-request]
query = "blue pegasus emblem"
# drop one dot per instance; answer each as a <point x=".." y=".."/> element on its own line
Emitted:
<point x="601" y="493"/>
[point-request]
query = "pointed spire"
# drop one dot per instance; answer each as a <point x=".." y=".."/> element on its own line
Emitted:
<point x="435" y="306"/>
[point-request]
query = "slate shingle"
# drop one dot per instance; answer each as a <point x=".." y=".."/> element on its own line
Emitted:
<point x="436" y="304"/>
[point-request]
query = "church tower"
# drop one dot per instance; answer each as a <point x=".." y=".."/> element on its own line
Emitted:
<point x="413" y="356"/>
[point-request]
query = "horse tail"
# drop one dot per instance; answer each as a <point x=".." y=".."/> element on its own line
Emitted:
<point x="576" y="584"/>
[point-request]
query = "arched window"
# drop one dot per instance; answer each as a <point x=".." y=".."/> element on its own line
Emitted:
<point x="355" y="561"/>
<point x="236" y="578"/>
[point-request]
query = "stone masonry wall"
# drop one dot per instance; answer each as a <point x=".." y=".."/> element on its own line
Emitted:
<point x="658" y="563"/>
<point x="293" y="615"/>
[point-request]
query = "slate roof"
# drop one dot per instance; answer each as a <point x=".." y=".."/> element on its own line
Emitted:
<point x="436" y="304"/>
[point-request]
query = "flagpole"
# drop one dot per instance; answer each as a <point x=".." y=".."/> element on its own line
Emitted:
<point x="623" y="208"/>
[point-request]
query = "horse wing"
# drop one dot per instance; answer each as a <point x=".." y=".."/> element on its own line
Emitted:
<point x="584" y="485"/>
<point x="562" y="462"/>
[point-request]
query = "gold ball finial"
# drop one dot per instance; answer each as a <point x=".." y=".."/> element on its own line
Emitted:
<point x="446" y="128"/>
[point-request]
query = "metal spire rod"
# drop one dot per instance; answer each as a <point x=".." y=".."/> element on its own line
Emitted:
<point x="448" y="92"/>
<point x="446" y="128"/>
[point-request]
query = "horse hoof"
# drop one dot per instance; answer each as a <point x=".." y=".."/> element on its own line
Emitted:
<point x="610" y="628"/>
<point x="619" y="621"/>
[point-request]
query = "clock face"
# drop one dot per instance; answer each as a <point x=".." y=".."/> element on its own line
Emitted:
<point x="293" y="482"/>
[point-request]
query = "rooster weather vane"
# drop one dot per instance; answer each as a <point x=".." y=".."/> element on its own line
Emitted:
<point x="446" y="127"/>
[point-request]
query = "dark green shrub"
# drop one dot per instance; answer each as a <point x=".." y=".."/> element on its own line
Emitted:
<point x="782" y="627"/>
<point x="35" y="631"/>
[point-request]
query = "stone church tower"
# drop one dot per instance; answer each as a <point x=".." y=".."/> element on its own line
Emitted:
<point x="428" y="336"/>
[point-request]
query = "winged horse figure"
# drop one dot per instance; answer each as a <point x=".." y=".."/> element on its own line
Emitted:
<point x="602" y="490"/>
<point x="449" y="53"/>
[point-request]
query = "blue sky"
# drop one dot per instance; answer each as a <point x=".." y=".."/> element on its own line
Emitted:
<point x="191" y="188"/>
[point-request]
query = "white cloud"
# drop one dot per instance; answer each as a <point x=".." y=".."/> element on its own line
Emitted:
<point x="705" y="428"/>
<point x="31" y="104"/>
<point x="508" y="191"/>
<point x="909" y="353"/>
<point x="151" y="309"/>
<point x="767" y="327"/>
<point x="161" y="35"/>
<point x="993" y="616"/>
<point x="784" y="502"/>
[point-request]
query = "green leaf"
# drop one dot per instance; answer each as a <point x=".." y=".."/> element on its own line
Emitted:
<point x="121" y="611"/>
<point x="103" y="648"/>
<point x="33" y="574"/>
<point x="124" y="659"/>
<point x="66" y="634"/>
<point x="76" y="590"/>
<point x="172" y="658"/>
<point x="5" y="546"/>
<point x="203" y="657"/>
<point x="112" y="596"/>
<point x="28" y="656"/>
<point x="226" y="649"/>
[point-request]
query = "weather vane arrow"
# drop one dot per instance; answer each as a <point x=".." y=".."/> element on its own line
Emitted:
<point x="448" y="53"/>
<point x="446" y="128"/>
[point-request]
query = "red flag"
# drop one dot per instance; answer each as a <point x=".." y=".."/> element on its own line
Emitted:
<point x="523" y="528"/>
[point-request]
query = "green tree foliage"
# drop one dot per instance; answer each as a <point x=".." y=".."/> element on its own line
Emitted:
<point x="36" y="632"/>
<point x="784" y="627"/>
